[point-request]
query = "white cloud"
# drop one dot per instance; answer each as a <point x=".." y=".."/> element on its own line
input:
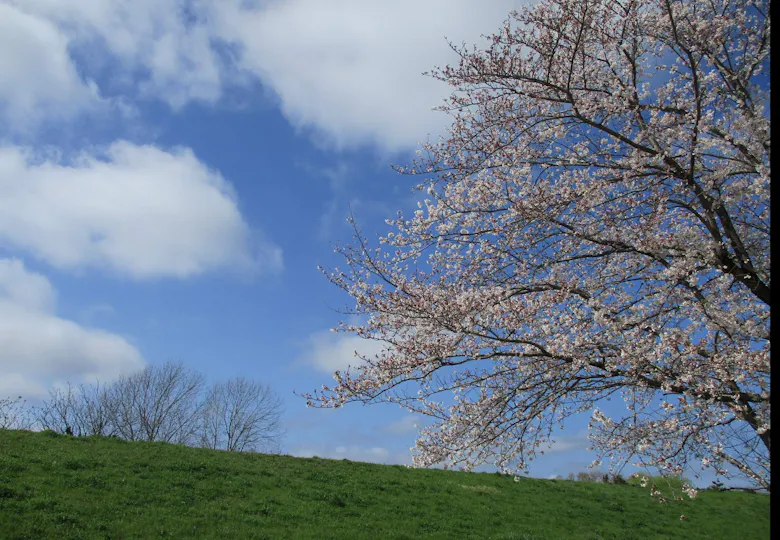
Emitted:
<point x="351" y="69"/>
<point x="38" y="77"/>
<point x="158" y="48"/>
<point x="329" y="351"/>
<point x="39" y="349"/>
<point x="348" y="69"/>
<point x="25" y="289"/>
<point x="138" y="210"/>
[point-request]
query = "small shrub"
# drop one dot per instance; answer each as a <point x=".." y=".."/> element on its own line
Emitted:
<point x="618" y="479"/>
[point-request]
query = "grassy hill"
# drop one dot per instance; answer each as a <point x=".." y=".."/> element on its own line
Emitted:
<point x="54" y="486"/>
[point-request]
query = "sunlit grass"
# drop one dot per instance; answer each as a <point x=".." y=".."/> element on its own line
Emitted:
<point x="54" y="486"/>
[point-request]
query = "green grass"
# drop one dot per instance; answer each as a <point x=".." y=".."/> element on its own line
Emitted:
<point x="54" y="486"/>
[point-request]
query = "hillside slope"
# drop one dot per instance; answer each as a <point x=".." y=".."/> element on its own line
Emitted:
<point x="54" y="486"/>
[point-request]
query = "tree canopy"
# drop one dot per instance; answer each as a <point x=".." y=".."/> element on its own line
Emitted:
<point x="596" y="223"/>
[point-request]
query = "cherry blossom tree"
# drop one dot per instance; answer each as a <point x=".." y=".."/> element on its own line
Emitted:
<point x="596" y="226"/>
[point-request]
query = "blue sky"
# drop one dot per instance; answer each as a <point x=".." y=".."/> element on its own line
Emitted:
<point x="173" y="171"/>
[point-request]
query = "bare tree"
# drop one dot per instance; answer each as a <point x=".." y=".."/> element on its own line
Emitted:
<point x="13" y="414"/>
<point x="81" y="410"/>
<point x="596" y="225"/>
<point x="158" y="403"/>
<point x="59" y="412"/>
<point x="161" y="403"/>
<point x="93" y="410"/>
<point x="241" y="415"/>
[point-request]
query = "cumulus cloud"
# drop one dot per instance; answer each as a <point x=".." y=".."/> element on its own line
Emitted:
<point x="153" y="48"/>
<point x="39" y="79"/>
<point x="39" y="349"/>
<point x="352" y="69"/>
<point x="329" y="352"/>
<point x="138" y="210"/>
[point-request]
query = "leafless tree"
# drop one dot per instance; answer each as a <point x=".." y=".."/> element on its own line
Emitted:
<point x="13" y="414"/>
<point x="94" y="410"/>
<point x="81" y="410"/>
<point x="241" y="415"/>
<point x="158" y="403"/>
<point x="58" y="412"/>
